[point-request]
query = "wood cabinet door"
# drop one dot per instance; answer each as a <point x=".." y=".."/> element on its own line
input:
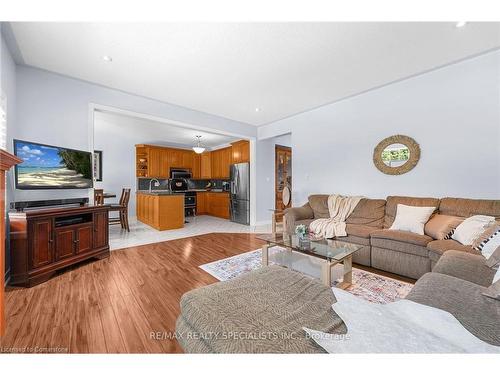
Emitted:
<point x="187" y="160"/>
<point x="41" y="248"/>
<point x="214" y="163"/>
<point x="164" y="163"/>
<point x="84" y="238"/>
<point x="196" y="168"/>
<point x="101" y="228"/>
<point x="205" y="165"/>
<point x="226" y="162"/>
<point x="154" y="162"/>
<point x="201" y="203"/>
<point x="65" y="242"/>
<point x="240" y="152"/>
<point x="218" y="205"/>
<point x="175" y="158"/>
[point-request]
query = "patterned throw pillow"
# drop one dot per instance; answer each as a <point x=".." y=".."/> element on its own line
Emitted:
<point x="488" y="235"/>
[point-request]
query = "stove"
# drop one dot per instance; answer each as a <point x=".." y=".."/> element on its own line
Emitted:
<point x="179" y="185"/>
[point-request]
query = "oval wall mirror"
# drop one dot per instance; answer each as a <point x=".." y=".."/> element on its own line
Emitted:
<point x="396" y="155"/>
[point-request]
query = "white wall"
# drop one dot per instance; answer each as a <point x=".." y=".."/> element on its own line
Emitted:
<point x="54" y="109"/>
<point x="452" y="112"/>
<point x="8" y="87"/>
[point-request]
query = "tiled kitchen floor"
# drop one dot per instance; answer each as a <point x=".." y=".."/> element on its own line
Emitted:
<point x="141" y="234"/>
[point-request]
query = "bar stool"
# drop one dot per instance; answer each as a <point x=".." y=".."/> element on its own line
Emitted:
<point x="122" y="208"/>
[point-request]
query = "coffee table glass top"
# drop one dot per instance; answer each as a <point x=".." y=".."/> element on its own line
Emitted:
<point x="326" y="249"/>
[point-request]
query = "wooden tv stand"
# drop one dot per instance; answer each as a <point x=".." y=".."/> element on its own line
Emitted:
<point x="46" y="240"/>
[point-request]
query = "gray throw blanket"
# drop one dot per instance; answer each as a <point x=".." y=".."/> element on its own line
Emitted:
<point x="260" y="312"/>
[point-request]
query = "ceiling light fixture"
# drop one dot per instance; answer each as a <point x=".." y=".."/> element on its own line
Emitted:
<point x="107" y="58"/>
<point x="460" y="24"/>
<point x="198" y="148"/>
<point x="257" y="109"/>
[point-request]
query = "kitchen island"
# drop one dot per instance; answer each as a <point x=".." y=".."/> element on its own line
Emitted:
<point x="161" y="210"/>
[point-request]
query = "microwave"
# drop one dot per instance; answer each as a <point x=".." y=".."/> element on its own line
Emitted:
<point x="180" y="173"/>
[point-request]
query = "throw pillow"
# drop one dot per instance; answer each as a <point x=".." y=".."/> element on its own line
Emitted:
<point x="411" y="218"/>
<point x="471" y="228"/>
<point x="439" y="226"/>
<point x="486" y="236"/>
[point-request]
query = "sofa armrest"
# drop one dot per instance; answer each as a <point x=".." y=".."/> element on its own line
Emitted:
<point x="465" y="266"/>
<point x="291" y="215"/>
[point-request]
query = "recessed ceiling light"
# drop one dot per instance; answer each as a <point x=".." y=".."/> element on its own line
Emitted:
<point x="460" y="24"/>
<point x="257" y="109"/>
<point x="107" y="58"/>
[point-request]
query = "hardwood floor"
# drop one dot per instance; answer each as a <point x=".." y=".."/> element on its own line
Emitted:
<point x="115" y="305"/>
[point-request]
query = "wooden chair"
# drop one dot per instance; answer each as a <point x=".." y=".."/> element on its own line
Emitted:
<point x="122" y="208"/>
<point x="98" y="197"/>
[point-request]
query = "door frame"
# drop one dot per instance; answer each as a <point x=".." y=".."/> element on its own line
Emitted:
<point x="278" y="147"/>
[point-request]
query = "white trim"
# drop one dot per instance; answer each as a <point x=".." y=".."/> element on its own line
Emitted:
<point x="263" y="222"/>
<point x="253" y="159"/>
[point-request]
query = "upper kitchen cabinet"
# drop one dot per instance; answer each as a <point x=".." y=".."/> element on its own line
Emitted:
<point x="196" y="169"/>
<point x="221" y="162"/>
<point x="206" y="165"/>
<point x="240" y="152"/>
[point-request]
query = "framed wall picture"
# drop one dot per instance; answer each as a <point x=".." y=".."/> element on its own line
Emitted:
<point x="98" y="165"/>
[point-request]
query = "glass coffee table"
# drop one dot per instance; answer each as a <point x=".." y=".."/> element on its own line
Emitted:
<point x="332" y="252"/>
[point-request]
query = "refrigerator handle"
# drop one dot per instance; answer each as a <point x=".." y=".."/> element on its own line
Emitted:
<point x="237" y="187"/>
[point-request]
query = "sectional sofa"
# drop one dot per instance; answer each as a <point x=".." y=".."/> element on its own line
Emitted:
<point x="404" y="253"/>
<point x="264" y="311"/>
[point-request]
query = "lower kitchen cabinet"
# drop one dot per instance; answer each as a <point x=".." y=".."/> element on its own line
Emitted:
<point x="218" y="205"/>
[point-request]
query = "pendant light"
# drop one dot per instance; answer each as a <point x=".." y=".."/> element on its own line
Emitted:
<point x="198" y="148"/>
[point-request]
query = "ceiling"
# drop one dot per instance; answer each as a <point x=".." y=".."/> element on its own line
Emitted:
<point x="159" y="133"/>
<point x="230" y="69"/>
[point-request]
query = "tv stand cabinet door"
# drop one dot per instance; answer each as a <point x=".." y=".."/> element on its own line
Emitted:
<point x="42" y="243"/>
<point x="100" y="229"/>
<point x="84" y="239"/>
<point x="65" y="243"/>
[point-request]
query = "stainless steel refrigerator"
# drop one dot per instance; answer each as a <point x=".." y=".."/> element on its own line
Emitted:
<point x="240" y="193"/>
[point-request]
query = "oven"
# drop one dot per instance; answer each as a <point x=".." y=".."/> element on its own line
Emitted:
<point x="180" y="185"/>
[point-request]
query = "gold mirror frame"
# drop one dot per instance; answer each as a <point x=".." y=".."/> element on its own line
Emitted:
<point x="409" y="142"/>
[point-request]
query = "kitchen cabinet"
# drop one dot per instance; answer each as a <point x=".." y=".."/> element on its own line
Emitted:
<point x="196" y="169"/>
<point x="218" y="204"/>
<point x="240" y="152"/>
<point x="221" y="162"/>
<point x="155" y="162"/>
<point x="161" y="212"/>
<point x="201" y="203"/>
<point x="205" y="165"/>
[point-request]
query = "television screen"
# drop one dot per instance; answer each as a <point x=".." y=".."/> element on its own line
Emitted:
<point x="50" y="167"/>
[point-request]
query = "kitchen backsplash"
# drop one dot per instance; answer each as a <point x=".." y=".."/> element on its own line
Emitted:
<point x="143" y="184"/>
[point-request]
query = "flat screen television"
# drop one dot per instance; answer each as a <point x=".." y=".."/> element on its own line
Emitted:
<point x="51" y="167"/>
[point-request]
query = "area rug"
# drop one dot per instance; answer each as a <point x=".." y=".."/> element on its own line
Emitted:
<point x="367" y="285"/>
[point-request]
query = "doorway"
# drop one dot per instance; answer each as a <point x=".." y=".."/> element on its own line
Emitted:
<point x="283" y="177"/>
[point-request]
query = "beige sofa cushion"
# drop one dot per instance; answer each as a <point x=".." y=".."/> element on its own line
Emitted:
<point x="393" y="201"/>
<point x="402" y="236"/>
<point x="439" y="226"/>
<point x="401" y="241"/>
<point x="319" y="205"/>
<point x="439" y="247"/>
<point x="469" y="207"/>
<point x="368" y="212"/>
<point x="363" y="231"/>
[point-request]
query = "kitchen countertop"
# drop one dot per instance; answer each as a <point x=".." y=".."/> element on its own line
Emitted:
<point x="167" y="192"/>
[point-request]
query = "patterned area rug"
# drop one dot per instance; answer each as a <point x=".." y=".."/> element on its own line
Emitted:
<point x="367" y="285"/>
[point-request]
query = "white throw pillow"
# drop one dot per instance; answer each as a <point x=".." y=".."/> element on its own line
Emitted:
<point x="471" y="228"/>
<point x="411" y="218"/>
